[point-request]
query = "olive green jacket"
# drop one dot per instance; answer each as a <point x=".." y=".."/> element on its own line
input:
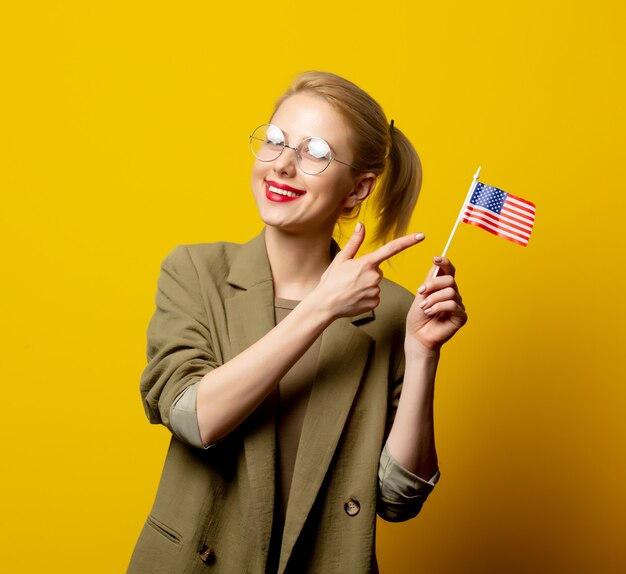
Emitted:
<point x="214" y="508"/>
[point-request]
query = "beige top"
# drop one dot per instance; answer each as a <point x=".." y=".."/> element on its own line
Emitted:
<point x="293" y="396"/>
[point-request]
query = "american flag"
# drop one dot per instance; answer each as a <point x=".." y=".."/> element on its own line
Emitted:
<point x="500" y="213"/>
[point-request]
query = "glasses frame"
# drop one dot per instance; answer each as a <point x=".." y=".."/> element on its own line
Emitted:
<point x="284" y="145"/>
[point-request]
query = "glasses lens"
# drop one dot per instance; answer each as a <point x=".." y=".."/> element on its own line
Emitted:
<point x="267" y="142"/>
<point x="314" y="155"/>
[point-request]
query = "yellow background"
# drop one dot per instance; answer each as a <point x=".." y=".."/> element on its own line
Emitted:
<point x="123" y="132"/>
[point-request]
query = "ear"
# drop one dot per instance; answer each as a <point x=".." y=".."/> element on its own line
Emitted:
<point x="363" y="186"/>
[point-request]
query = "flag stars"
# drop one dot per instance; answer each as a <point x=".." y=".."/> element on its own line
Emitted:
<point x="490" y="198"/>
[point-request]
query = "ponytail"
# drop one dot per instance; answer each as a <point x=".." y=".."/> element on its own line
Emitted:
<point x="399" y="187"/>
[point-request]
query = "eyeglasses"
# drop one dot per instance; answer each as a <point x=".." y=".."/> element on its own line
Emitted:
<point x="313" y="155"/>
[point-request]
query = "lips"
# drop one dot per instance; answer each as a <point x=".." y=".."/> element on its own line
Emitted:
<point x="281" y="192"/>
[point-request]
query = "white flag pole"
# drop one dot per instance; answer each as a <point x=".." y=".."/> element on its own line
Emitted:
<point x="458" y="219"/>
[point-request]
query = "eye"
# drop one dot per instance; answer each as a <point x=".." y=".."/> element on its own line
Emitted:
<point x="274" y="135"/>
<point x="316" y="148"/>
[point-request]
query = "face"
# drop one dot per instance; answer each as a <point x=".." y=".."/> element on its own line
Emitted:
<point x="296" y="202"/>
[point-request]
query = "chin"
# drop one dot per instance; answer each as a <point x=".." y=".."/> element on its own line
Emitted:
<point x="273" y="219"/>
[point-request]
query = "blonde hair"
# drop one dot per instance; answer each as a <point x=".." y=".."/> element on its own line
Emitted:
<point x="378" y="148"/>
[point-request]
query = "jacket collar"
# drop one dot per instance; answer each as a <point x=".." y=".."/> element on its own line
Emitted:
<point x="251" y="268"/>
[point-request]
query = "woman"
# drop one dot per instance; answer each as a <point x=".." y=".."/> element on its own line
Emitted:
<point x="278" y="364"/>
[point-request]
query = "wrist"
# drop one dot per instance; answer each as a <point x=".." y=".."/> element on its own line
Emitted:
<point x="419" y="351"/>
<point x="313" y="308"/>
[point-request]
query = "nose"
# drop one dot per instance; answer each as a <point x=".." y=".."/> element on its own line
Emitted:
<point x="285" y="163"/>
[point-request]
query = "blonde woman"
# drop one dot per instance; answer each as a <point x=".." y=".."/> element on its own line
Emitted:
<point x="298" y="382"/>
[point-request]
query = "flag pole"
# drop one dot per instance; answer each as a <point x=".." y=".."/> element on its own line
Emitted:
<point x="458" y="219"/>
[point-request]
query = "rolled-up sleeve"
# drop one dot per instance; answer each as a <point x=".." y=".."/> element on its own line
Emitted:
<point x="178" y="349"/>
<point x="401" y="493"/>
<point x="184" y="417"/>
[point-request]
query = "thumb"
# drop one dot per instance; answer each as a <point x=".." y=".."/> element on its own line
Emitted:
<point x="351" y="248"/>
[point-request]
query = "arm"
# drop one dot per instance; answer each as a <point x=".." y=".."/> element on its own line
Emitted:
<point x="435" y="316"/>
<point x="181" y="358"/>
<point x="229" y="394"/>
<point x="179" y="352"/>
<point x="182" y="363"/>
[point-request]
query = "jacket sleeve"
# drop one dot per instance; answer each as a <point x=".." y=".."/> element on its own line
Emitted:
<point x="401" y="493"/>
<point x="184" y="418"/>
<point x="178" y="350"/>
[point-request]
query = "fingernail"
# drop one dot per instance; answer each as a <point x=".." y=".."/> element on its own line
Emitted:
<point x="358" y="227"/>
<point x="424" y="303"/>
<point x="421" y="289"/>
<point x="419" y="236"/>
<point x="437" y="259"/>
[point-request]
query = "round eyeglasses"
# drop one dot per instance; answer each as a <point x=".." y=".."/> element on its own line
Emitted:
<point x="313" y="155"/>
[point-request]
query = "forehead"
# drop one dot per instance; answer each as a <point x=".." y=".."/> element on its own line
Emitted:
<point x="305" y="115"/>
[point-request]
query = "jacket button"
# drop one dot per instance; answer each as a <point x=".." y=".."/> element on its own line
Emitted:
<point x="352" y="506"/>
<point x="207" y="554"/>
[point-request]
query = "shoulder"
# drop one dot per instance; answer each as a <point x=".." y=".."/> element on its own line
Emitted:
<point x="240" y="266"/>
<point x="202" y="252"/>
<point x="394" y="299"/>
<point x="390" y="315"/>
<point x="202" y="258"/>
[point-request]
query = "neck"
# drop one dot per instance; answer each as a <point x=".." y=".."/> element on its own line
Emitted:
<point x="297" y="261"/>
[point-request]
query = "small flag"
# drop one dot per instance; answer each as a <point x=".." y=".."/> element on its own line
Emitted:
<point x="500" y="213"/>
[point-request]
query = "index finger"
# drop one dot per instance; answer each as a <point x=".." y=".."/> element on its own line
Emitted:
<point x="393" y="248"/>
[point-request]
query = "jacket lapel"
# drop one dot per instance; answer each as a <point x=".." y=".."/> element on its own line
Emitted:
<point x="342" y="361"/>
<point x="250" y="315"/>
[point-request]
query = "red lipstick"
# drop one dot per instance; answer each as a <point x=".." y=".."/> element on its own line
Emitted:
<point x="281" y="192"/>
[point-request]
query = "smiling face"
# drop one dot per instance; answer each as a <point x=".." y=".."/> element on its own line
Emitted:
<point x="296" y="202"/>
